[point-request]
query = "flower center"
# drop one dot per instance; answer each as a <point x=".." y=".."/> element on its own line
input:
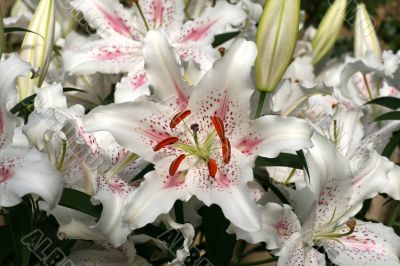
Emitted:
<point x="200" y="149"/>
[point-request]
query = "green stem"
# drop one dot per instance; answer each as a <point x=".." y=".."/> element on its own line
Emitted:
<point x="142" y="15"/>
<point x="260" y="103"/>
<point x="273" y="259"/>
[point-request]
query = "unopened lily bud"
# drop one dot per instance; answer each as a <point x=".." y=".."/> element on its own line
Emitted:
<point x="276" y="42"/>
<point x="1" y="33"/>
<point x="37" y="47"/>
<point x="329" y="30"/>
<point x="365" y="35"/>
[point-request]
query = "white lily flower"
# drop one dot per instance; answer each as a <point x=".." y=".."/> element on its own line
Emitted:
<point x="326" y="203"/>
<point x="203" y="143"/>
<point x="120" y="46"/>
<point x="20" y="165"/>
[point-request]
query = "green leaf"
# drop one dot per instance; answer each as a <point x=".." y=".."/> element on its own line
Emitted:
<point x="19" y="221"/>
<point x="392" y="144"/>
<point x="395" y="115"/>
<point x="17" y="29"/>
<point x="223" y="38"/>
<point x="22" y="105"/>
<point x="28" y="101"/>
<point x="5" y="236"/>
<point x="284" y="160"/>
<point x="80" y="201"/>
<point x="389" y="102"/>
<point x="219" y="243"/>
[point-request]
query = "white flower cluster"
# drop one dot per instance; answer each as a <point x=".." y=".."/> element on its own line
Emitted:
<point x="157" y="105"/>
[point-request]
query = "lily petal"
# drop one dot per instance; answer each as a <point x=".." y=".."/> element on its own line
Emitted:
<point x="112" y="55"/>
<point x="113" y="193"/>
<point x="132" y="87"/>
<point x="213" y="20"/>
<point x="278" y="224"/>
<point x="164" y="72"/>
<point x="145" y="122"/>
<point x="295" y="253"/>
<point x="27" y="171"/>
<point x="156" y="195"/>
<point x="271" y="135"/>
<point x="10" y="69"/>
<point x="108" y="17"/>
<point x="330" y="181"/>
<point x="228" y="189"/>
<point x="225" y="91"/>
<point x="165" y="14"/>
<point x="370" y="244"/>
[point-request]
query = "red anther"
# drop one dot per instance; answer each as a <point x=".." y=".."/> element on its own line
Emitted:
<point x="178" y="118"/>
<point x="165" y="142"/>
<point x="226" y="150"/>
<point x="212" y="167"/>
<point x="173" y="168"/>
<point x="219" y="127"/>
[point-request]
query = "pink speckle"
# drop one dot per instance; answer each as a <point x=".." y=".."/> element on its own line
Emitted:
<point x="175" y="181"/>
<point x="198" y="33"/>
<point x="182" y="98"/>
<point x="249" y="145"/>
<point x="5" y="174"/>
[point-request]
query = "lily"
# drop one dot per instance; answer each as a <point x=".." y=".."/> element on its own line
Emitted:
<point x="121" y="33"/>
<point x="201" y="140"/>
<point x="20" y="163"/>
<point x="323" y="219"/>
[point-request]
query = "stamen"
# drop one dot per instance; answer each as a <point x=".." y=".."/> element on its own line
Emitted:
<point x="226" y="150"/>
<point x="173" y="168"/>
<point x="165" y="142"/>
<point x="352" y="225"/>
<point x="221" y="51"/>
<point x="212" y="167"/>
<point x="219" y="127"/>
<point x="136" y="2"/>
<point x="178" y="118"/>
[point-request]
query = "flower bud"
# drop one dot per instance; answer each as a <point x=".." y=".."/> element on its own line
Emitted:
<point x="276" y="42"/>
<point x="37" y="47"/>
<point x="329" y="30"/>
<point x="365" y="39"/>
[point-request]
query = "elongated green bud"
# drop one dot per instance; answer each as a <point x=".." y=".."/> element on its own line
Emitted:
<point x="1" y="33"/>
<point x="329" y="30"/>
<point x="365" y="39"/>
<point x="276" y="41"/>
<point x="37" y="47"/>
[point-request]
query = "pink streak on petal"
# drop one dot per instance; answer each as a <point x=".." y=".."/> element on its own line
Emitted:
<point x="223" y="108"/>
<point x="198" y="33"/>
<point x="222" y="180"/>
<point x="249" y="145"/>
<point x="182" y="98"/>
<point x="175" y="181"/>
<point x="158" y="11"/>
<point x="360" y="244"/>
<point x="139" y="80"/>
<point x="116" y="22"/>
